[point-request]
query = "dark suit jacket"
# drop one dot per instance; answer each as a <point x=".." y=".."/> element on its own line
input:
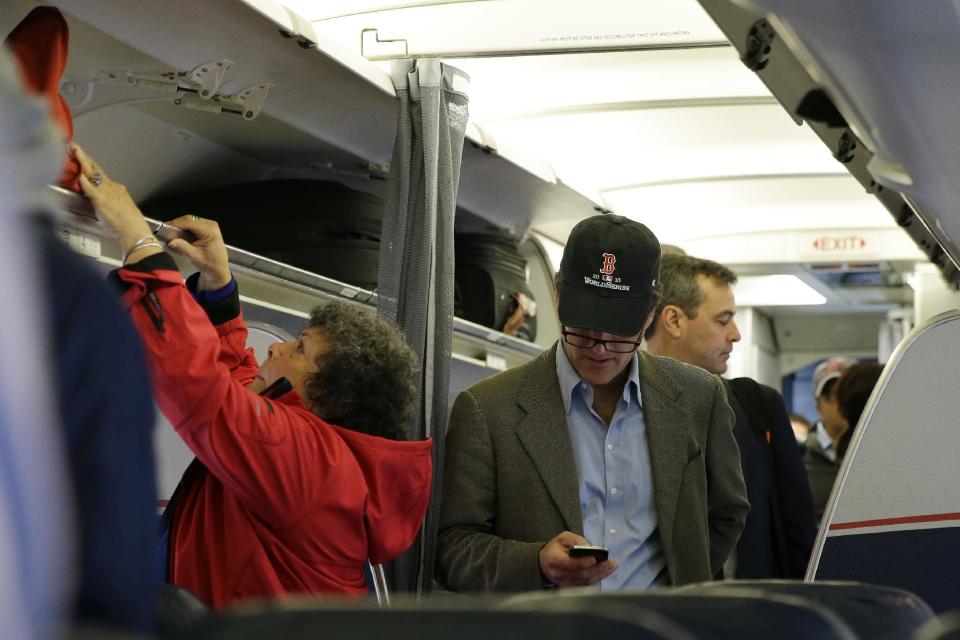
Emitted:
<point x="780" y="530"/>
<point x="821" y="472"/>
<point x="510" y="483"/>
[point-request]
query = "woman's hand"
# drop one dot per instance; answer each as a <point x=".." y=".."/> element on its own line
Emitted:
<point x="207" y="253"/>
<point x="113" y="204"/>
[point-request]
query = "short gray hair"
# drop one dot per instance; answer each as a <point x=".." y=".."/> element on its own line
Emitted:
<point x="679" y="285"/>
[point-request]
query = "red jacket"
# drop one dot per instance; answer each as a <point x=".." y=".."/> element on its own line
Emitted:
<point x="284" y="502"/>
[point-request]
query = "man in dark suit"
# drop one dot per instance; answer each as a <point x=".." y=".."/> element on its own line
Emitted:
<point x="592" y="443"/>
<point x="694" y="323"/>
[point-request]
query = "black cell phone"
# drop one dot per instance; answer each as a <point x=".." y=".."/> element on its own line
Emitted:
<point x="589" y="551"/>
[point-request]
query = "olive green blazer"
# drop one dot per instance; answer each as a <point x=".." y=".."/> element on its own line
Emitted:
<point x="510" y="481"/>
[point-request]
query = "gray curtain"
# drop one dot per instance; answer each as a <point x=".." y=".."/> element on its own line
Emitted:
<point x="415" y="288"/>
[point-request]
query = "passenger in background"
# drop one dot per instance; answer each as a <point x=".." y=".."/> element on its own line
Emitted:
<point x="853" y="390"/>
<point x="592" y="443"/>
<point x="820" y="455"/>
<point x="694" y="323"/>
<point x="38" y="539"/>
<point x="100" y="390"/>
<point x="801" y="428"/>
<point x="280" y="500"/>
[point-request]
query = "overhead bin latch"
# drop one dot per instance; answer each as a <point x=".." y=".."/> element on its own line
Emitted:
<point x="373" y="47"/>
<point x="759" y="44"/>
<point x="846" y="147"/>
<point x="209" y="76"/>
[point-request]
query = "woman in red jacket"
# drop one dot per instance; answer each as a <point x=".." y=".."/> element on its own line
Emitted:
<point x="301" y="474"/>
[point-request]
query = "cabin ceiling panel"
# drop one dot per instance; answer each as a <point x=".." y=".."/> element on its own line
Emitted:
<point x="677" y="213"/>
<point x="596" y="152"/>
<point x="500" y="26"/>
<point x="508" y="87"/>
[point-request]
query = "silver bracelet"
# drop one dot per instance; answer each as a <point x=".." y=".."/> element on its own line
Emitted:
<point x="142" y="243"/>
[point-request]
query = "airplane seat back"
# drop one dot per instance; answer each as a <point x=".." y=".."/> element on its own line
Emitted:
<point x="178" y="611"/>
<point x="871" y="611"/>
<point x="731" y="614"/>
<point x="894" y="515"/>
<point x="946" y="627"/>
<point x="466" y="621"/>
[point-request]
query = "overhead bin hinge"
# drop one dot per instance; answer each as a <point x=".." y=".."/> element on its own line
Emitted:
<point x="199" y="89"/>
<point x="373" y="48"/>
<point x="369" y="171"/>
<point x="209" y="76"/>
<point x="759" y="43"/>
<point x="252" y="99"/>
<point x="113" y="87"/>
<point x="246" y="103"/>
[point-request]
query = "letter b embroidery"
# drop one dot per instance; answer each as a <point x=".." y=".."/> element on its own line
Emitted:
<point x="609" y="260"/>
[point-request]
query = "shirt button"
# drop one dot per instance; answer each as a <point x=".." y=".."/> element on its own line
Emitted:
<point x="609" y="447"/>
<point x="613" y="531"/>
<point x="613" y="491"/>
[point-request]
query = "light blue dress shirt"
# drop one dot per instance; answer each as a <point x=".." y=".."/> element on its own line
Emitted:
<point x="826" y="442"/>
<point x="616" y="482"/>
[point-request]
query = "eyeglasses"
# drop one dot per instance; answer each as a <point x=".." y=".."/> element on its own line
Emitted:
<point x="586" y="342"/>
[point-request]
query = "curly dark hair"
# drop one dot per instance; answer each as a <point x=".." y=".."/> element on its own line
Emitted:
<point x="366" y="380"/>
<point x="679" y="285"/>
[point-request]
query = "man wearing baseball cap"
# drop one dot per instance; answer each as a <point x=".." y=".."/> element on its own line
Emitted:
<point x="592" y="443"/>
<point x="819" y="455"/>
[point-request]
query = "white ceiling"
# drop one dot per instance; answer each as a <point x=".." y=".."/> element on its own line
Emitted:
<point x="684" y="139"/>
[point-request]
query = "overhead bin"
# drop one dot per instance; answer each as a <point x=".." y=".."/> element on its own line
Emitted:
<point x="509" y="28"/>
<point x="285" y="288"/>
<point x="814" y="60"/>
<point x="329" y="114"/>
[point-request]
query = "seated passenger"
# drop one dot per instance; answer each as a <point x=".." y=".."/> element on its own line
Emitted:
<point x="295" y="487"/>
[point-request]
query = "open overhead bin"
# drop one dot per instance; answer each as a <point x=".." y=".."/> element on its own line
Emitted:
<point x="319" y="109"/>
<point x="877" y="85"/>
<point x="185" y="97"/>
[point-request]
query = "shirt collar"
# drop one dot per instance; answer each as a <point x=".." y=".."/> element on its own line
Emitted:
<point x="826" y="442"/>
<point x="570" y="380"/>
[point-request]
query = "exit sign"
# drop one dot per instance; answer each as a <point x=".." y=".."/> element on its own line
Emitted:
<point x="840" y="244"/>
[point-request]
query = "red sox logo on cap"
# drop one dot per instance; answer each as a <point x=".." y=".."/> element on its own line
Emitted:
<point x="609" y="260"/>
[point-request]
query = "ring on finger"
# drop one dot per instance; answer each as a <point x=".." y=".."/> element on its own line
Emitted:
<point x="195" y="218"/>
<point x="96" y="179"/>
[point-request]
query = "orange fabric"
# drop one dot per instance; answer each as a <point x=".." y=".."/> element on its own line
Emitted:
<point x="39" y="44"/>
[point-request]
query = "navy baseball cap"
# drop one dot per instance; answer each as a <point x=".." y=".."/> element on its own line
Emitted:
<point x="608" y="275"/>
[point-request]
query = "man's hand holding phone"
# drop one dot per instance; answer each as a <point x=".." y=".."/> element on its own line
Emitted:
<point x="564" y="570"/>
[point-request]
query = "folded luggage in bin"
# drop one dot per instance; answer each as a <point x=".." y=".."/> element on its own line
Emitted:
<point x="489" y="271"/>
<point x="320" y="226"/>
